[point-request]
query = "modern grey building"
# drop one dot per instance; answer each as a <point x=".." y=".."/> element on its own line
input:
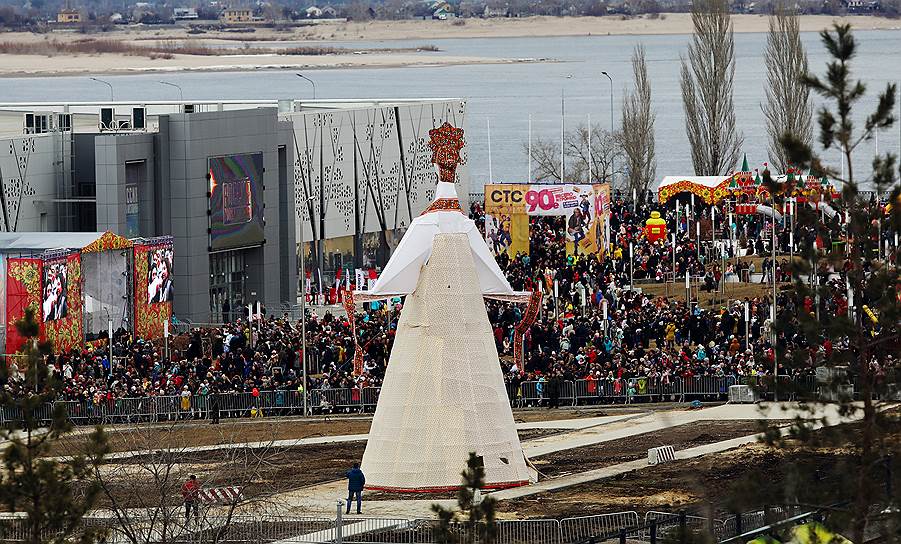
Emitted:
<point x="237" y="184"/>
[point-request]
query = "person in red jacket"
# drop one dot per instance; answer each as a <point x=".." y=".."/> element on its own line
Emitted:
<point x="190" y="491"/>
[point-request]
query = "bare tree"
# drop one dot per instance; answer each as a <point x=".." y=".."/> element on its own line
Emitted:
<point x="141" y="488"/>
<point x="638" y="128"/>
<point x="707" y="81"/>
<point x="588" y="159"/>
<point x="787" y="107"/>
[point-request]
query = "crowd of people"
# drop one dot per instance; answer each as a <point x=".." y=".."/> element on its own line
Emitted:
<point x="597" y="328"/>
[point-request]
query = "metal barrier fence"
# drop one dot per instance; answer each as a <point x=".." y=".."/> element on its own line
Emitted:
<point x="654" y="527"/>
<point x="667" y="521"/>
<point x="648" y="389"/>
<point x="357" y="400"/>
<point x="581" y="528"/>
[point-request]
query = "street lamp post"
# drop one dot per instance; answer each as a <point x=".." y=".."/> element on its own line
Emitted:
<point x="108" y="84"/>
<point x="313" y="83"/>
<point x="773" y="315"/>
<point x="612" y="125"/>
<point x="181" y="92"/>
<point x="303" y="312"/>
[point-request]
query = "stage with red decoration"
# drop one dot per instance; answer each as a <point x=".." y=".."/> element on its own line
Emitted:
<point x="80" y="294"/>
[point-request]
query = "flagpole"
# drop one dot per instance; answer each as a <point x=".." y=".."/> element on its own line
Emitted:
<point x="562" y="134"/>
<point x="490" y="174"/>
<point x="590" y="177"/>
<point x="529" y="178"/>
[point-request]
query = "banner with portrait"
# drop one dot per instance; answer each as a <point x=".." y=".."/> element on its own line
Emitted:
<point x="62" y="302"/>
<point x="153" y="286"/>
<point x="159" y="286"/>
<point x="54" y="290"/>
<point x="506" y="232"/>
<point x="508" y="207"/>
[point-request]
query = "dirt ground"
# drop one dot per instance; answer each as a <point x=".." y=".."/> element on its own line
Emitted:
<point x="182" y="434"/>
<point x="614" y="452"/>
<point x="532" y="434"/>
<point x="679" y="484"/>
<point x="177" y="435"/>
<point x="258" y="472"/>
<point x="709" y="300"/>
<point x="736" y="480"/>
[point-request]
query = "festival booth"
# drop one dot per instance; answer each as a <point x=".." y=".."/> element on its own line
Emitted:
<point x="83" y="285"/>
<point x="710" y="189"/>
<point x="749" y="193"/>
<point x="508" y="208"/>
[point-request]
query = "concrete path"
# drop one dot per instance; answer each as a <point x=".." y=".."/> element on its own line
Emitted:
<point x="656" y="421"/>
<point x="320" y="500"/>
<point x="250" y="445"/>
<point x="349" y="528"/>
<point x="576" y="423"/>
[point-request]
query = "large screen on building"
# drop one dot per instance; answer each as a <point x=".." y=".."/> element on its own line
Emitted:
<point x="55" y="290"/>
<point x="236" y="207"/>
<point x="159" y="275"/>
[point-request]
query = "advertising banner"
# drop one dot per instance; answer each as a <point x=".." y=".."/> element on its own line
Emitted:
<point x="507" y="232"/>
<point x="509" y="206"/>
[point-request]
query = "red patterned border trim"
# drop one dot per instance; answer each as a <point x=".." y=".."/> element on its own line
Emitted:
<point x="443" y="205"/>
<point x="350" y="308"/>
<point x="107" y="241"/>
<point x="528" y="319"/>
<point x="442" y="489"/>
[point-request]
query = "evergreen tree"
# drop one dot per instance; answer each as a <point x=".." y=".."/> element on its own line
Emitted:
<point x="53" y="494"/>
<point x="862" y="327"/>
<point x="478" y="516"/>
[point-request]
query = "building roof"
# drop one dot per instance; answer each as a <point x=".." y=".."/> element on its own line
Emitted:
<point x="42" y="241"/>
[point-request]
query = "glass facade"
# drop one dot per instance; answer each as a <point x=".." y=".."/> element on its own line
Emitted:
<point x="227" y="285"/>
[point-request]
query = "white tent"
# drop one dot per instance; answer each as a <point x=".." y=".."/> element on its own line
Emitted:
<point x="443" y="395"/>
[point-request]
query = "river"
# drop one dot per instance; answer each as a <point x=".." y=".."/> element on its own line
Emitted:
<point x="507" y="94"/>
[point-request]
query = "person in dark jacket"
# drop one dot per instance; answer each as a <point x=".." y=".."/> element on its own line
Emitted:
<point x="214" y="405"/>
<point x="355" y="482"/>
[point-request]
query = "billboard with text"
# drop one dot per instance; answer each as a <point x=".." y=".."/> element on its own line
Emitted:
<point x="508" y="206"/>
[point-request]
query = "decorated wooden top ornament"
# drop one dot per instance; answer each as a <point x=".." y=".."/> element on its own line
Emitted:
<point x="446" y="142"/>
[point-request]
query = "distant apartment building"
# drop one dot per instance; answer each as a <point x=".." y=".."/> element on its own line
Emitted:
<point x="69" y="17"/>
<point x="184" y="14"/>
<point x="236" y="16"/>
